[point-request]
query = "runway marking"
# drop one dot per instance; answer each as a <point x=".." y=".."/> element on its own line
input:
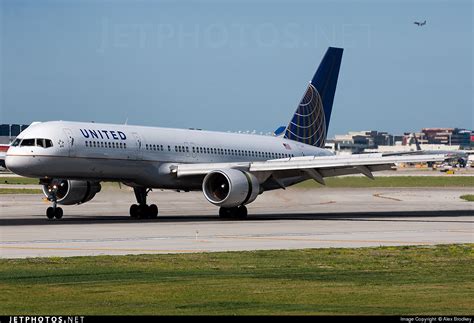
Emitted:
<point x="324" y="240"/>
<point x="328" y="202"/>
<point x="386" y="197"/>
<point x="104" y="249"/>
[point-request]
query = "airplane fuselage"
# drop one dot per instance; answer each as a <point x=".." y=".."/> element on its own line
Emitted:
<point x="137" y="155"/>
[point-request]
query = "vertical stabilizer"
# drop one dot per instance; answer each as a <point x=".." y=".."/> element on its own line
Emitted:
<point x="310" y="122"/>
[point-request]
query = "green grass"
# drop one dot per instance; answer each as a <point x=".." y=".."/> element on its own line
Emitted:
<point x="393" y="181"/>
<point x="20" y="191"/>
<point x="18" y="180"/>
<point x="468" y="197"/>
<point x="388" y="280"/>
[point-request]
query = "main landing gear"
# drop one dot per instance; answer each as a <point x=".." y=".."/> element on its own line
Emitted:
<point x="54" y="211"/>
<point x="238" y="212"/>
<point x="142" y="210"/>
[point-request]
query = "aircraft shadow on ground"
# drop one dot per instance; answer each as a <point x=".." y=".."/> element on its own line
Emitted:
<point x="381" y="216"/>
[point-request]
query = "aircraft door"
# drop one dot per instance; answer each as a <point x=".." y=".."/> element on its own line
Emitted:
<point x="188" y="149"/>
<point x="69" y="144"/>
<point x="137" y="154"/>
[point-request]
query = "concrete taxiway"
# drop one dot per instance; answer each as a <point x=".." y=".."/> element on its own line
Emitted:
<point x="294" y="218"/>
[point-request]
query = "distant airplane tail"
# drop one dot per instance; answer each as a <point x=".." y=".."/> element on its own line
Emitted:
<point x="310" y="122"/>
<point x="417" y="144"/>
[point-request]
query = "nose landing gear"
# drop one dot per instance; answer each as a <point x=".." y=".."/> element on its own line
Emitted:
<point x="142" y="210"/>
<point x="54" y="211"/>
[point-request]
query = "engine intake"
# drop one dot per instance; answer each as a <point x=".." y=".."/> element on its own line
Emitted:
<point x="230" y="187"/>
<point x="69" y="192"/>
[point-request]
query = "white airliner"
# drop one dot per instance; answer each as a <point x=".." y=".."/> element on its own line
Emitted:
<point x="72" y="158"/>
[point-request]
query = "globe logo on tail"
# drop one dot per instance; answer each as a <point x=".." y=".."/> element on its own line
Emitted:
<point x="308" y="124"/>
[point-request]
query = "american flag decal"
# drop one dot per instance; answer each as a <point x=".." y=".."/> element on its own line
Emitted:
<point x="287" y="146"/>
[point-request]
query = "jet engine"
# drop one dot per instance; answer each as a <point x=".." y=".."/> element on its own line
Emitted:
<point x="69" y="192"/>
<point x="230" y="187"/>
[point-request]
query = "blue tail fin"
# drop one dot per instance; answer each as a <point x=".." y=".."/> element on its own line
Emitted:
<point x="310" y="122"/>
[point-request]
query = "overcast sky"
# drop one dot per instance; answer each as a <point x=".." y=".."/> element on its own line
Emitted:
<point x="235" y="65"/>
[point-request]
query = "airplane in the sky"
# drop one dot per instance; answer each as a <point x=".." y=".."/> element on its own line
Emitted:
<point x="72" y="158"/>
<point x="419" y="24"/>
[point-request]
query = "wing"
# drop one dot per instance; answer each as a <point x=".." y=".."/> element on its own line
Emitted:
<point x="310" y="166"/>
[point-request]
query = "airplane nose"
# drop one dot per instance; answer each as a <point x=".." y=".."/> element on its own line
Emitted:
<point x="18" y="164"/>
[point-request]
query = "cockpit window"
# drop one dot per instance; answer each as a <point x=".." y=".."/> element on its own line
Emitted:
<point x="16" y="142"/>
<point x="27" y="142"/>
<point x="40" y="142"/>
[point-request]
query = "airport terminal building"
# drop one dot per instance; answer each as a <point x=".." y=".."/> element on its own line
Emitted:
<point x="8" y="132"/>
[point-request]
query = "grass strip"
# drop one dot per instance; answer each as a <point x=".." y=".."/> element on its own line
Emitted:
<point x="20" y="191"/>
<point x="410" y="280"/>
<point x="468" y="197"/>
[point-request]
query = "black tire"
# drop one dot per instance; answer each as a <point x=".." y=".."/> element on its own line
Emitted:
<point x="134" y="211"/>
<point x="225" y="213"/>
<point x="242" y="212"/>
<point x="59" y="213"/>
<point x="50" y="213"/>
<point x="142" y="212"/>
<point x="153" y="211"/>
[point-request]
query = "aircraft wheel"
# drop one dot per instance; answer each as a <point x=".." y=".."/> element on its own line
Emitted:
<point x="242" y="212"/>
<point x="153" y="211"/>
<point x="238" y="212"/>
<point x="58" y="214"/>
<point x="225" y="212"/>
<point x="50" y="212"/>
<point x="134" y="211"/>
<point x="142" y="211"/>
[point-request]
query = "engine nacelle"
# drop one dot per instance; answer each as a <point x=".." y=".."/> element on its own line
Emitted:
<point x="230" y="187"/>
<point x="69" y="192"/>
